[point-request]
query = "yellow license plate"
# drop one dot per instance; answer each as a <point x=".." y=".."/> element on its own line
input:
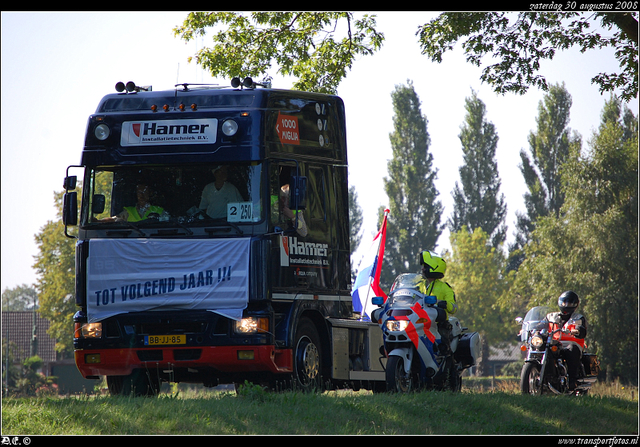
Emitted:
<point x="154" y="340"/>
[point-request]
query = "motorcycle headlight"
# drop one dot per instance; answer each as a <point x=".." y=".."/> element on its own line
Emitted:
<point x="396" y="325"/>
<point x="537" y="341"/>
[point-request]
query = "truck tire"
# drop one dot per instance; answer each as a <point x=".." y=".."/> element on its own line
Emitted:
<point x="138" y="383"/>
<point x="307" y="357"/>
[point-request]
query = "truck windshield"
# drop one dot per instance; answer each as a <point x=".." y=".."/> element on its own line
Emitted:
<point x="188" y="194"/>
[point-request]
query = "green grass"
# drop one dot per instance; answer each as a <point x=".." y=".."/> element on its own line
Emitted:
<point x="502" y="411"/>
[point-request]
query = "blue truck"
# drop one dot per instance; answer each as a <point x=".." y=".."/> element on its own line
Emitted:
<point x="212" y="242"/>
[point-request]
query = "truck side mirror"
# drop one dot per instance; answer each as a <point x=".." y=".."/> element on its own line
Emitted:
<point x="70" y="208"/>
<point x="297" y="192"/>
<point x="70" y="182"/>
<point x="97" y="205"/>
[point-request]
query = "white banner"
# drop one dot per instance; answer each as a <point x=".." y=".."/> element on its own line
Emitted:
<point x="160" y="132"/>
<point x="133" y="275"/>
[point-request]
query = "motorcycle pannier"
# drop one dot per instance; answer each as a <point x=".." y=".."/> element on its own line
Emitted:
<point x="591" y="364"/>
<point x="468" y="349"/>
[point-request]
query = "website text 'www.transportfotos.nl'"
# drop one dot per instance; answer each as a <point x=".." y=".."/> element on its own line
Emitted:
<point x="608" y="441"/>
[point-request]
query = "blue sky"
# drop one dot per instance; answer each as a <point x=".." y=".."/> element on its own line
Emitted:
<point x="57" y="66"/>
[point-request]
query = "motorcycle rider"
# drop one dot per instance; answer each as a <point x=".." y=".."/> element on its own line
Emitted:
<point x="433" y="268"/>
<point x="576" y="325"/>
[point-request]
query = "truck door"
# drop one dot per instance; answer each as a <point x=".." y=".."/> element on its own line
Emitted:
<point x="304" y="248"/>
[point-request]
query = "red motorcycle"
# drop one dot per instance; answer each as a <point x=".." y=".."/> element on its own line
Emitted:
<point x="544" y="369"/>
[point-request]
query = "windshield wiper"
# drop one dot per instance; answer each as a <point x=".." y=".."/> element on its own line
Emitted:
<point x="130" y="225"/>
<point x="224" y="226"/>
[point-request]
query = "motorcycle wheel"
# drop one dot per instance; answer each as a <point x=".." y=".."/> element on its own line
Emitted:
<point x="530" y="382"/>
<point x="398" y="381"/>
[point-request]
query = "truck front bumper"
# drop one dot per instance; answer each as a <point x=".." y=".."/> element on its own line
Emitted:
<point x="224" y="359"/>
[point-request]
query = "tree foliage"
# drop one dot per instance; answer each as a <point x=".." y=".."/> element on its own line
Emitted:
<point x="55" y="267"/>
<point x="591" y="247"/>
<point x="415" y="211"/>
<point x="474" y="270"/>
<point x="550" y="146"/>
<point x="355" y="222"/>
<point x="478" y="203"/>
<point x="520" y="42"/>
<point x="20" y="298"/>
<point x="317" y="48"/>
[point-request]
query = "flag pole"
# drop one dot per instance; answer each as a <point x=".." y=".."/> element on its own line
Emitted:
<point x="382" y="233"/>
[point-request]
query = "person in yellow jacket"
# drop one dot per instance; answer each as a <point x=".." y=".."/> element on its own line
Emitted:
<point x="142" y="210"/>
<point x="433" y="268"/>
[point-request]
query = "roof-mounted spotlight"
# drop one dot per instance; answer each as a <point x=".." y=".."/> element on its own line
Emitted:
<point x="131" y="87"/>
<point x="248" y="82"/>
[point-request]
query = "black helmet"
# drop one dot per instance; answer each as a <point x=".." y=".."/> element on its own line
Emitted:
<point x="568" y="302"/>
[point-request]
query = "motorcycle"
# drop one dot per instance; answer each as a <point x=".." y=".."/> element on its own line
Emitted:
<point x="416" y="357"/>
<point x="545" y="370"/>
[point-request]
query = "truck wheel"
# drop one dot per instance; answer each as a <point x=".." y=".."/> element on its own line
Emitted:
<point x="138" y="383"/>
<point x="307" y="357"/>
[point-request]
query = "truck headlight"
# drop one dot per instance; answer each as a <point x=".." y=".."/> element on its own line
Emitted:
<point x="102" y="132"/>
<point x="252" y="325"/>
<point x="92" y="330"/>
<point x="396" y="325"/>
<point x="229" y="128"/>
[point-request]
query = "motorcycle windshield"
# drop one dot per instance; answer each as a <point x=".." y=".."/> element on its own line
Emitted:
<point x="405" y="290"/>
<point x="534" y="317"/>
<point x="404" y="297"/>
<point x="406" y="281"/>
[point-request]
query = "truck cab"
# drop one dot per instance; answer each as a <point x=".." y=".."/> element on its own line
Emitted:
<point x="212" y="240"/>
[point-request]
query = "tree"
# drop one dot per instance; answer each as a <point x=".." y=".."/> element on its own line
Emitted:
<point x="20" y="298"/>
<point x="478" y="203"/>
<point x="415" y="213"/>
<point x="305" y="45"/>
<point x="591" y="247"/>
<point x="355" y="222"/>
<point x="549" y="148"/>
<point x="520" y="42"/>
<point x="55" y="267"/>
<point x="474" y="270"/>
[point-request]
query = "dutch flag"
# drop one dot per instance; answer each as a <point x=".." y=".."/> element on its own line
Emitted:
<point x="367" y="284"/>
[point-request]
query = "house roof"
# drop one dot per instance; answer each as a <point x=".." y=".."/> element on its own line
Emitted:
<point x="18" y="328"/>
<point x="508" y="353"/>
